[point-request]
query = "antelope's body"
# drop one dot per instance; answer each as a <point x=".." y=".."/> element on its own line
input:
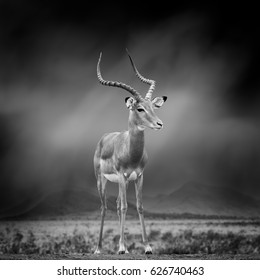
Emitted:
<point x="120" y="157"/>
<point x="121" y="152"/>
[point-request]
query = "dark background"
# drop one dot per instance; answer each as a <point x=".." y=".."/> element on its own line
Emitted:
<point x="53" y="110"/>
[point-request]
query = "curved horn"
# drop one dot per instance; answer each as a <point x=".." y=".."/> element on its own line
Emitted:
<point x="114" y="83"/>
<point x="144" y="80"/>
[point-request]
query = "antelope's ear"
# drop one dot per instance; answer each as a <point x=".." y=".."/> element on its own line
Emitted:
<point x="130" y="101"/>
<point x="159" y="101"/>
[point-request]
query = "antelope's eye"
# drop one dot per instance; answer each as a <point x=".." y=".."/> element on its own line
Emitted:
<point x="140" y="109"/>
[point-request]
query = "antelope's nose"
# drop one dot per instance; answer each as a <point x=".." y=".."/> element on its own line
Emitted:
<point x="160" y="124"/>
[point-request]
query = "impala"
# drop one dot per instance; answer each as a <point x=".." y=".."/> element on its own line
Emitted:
<point x="120" y="157"/>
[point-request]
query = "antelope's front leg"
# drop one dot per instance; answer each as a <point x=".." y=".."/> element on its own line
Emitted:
<point x="139" y="206"/>
<point x="122" y="191"/>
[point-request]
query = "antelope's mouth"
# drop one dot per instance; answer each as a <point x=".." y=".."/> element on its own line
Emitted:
<point x="157" y="127"/>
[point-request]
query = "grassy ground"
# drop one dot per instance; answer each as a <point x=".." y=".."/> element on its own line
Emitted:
<point x="170" y="239"/>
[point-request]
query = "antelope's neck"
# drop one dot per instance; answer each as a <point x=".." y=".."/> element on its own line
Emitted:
<point x="136" y="141"/>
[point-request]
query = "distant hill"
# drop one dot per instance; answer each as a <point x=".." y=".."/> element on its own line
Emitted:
<point x="193" y="198"/>
<point x="66" y="203"/>
<point x="25" y="205"/>
<point x="202" y="199"/>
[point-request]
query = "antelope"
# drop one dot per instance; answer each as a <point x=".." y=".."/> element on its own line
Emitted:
<point x="120" y="157"/>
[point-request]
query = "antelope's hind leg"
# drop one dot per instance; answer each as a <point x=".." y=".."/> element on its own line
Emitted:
<point x="101" y="185"/>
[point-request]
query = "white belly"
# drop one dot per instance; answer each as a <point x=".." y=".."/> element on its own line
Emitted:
<point x="114" y="177"/>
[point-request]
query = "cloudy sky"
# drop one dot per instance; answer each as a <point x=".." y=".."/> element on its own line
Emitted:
<point x="53" y="110"/>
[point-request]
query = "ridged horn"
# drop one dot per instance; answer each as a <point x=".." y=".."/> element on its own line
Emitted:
<point x="115" y="83"/>
<point x="143" y="79"/>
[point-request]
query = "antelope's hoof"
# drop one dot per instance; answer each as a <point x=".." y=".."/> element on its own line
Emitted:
<point x="97" y="251"/>
<point x="121" y="252"/>
<point x="148" y="250"/>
